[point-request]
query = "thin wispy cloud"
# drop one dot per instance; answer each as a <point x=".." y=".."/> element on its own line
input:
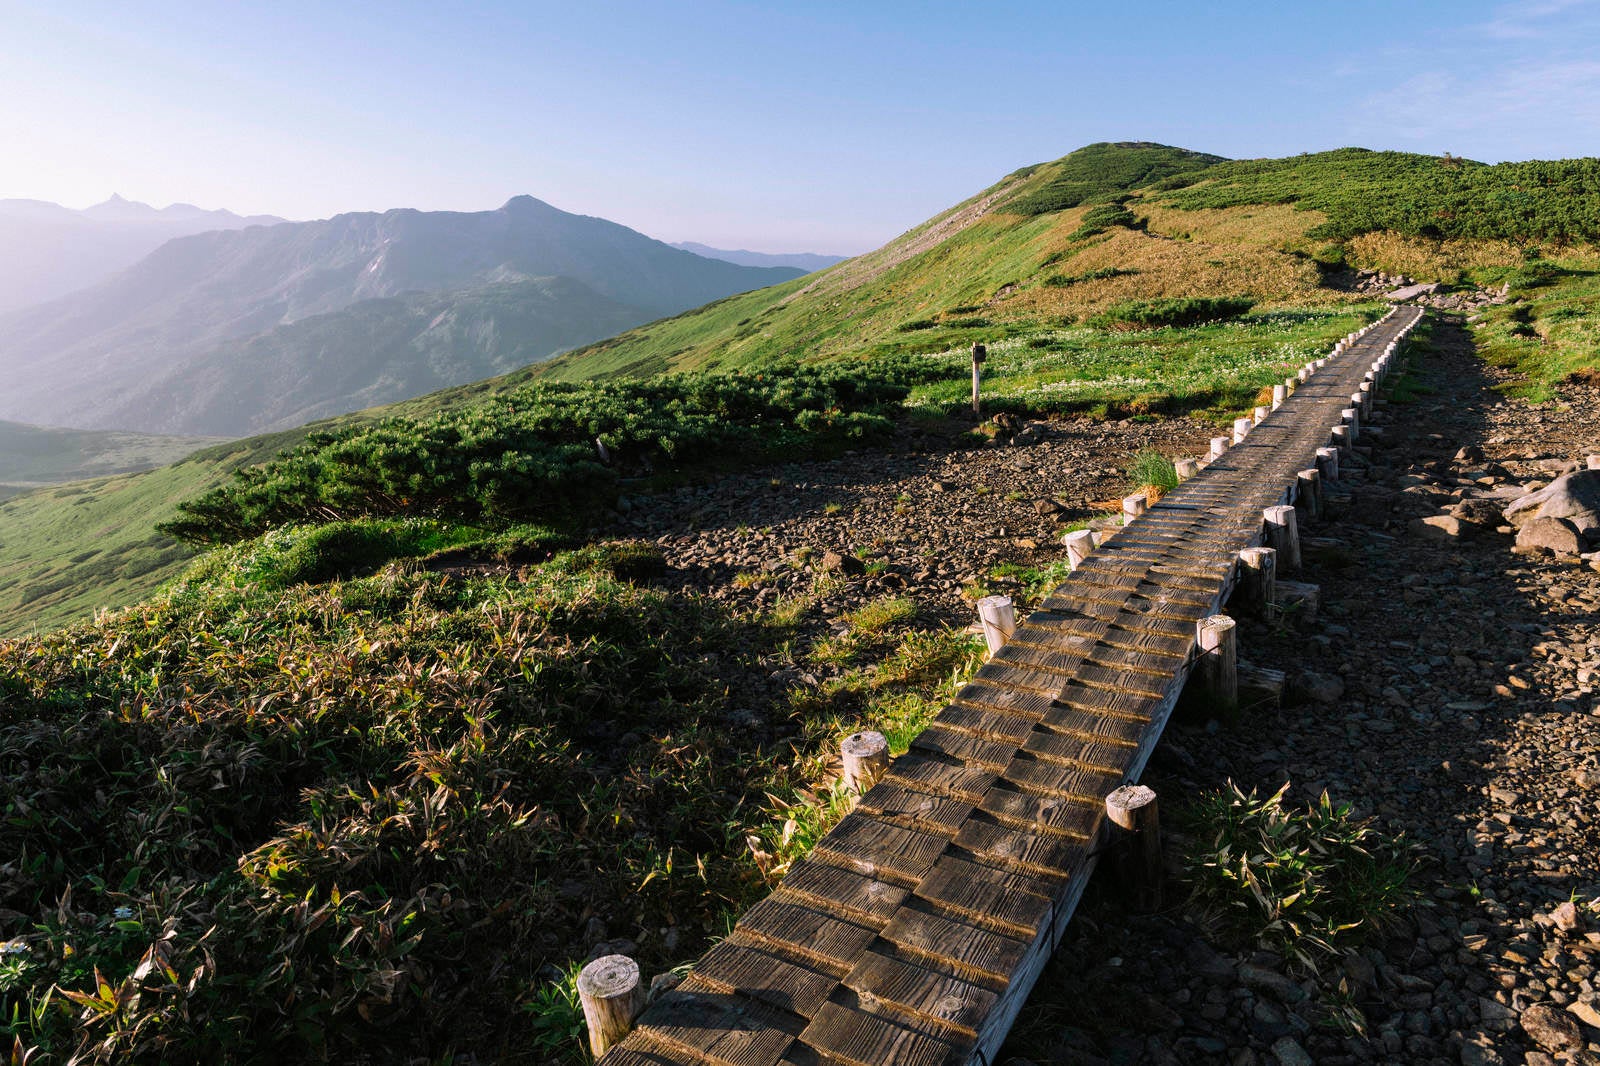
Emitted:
<point x="1530" y="19"/>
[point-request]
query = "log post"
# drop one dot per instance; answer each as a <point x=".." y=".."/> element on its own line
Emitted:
<point x="1280" y="393"/>
<point x="1079" y="543"/>
<point x="1341" y="438"/>
<point x="1328" y="464"/>
<point x="1289" y="385"/>
<point x="1186" y="469"/>
<point x="612" y="996"/>
<point x="1262" y="413"/>
<point x="1283" y="535"/>
<point x="979" y="354"/>
<point x="1132" y="811"/>
<point x="999" y="621"/>
<point x="1134" y="506"/>
<point x="1219" y="447"/>
<point x="1241" y="430"/>
<point x="865" y="756"/>
<point x="1217" y="667"/>
<point x="1258" y="569"/>
<point x="1308" y="493"/>
<point x="1350" y="419"/>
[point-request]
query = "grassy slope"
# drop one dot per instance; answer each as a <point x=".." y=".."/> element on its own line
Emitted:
<point x="68" y="550"/>
<point x="37" y="455"/>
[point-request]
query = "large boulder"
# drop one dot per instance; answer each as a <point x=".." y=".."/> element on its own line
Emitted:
<point x="1574" y="497"/>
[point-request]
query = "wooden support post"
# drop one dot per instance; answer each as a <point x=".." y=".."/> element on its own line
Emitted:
<point x="979" y="354"/>
<point x="1305" y="374"/>
<point x="1341" y="438"/>
<point x="1219" y="446"/>
<point x="1328" y="464"/>
<point x="1283" y="535"/>
<point x="1186" y="469"/>
<point x="1079" y="544"/>
<point x="865" y="756"/>
<point x="1289" y="385"/>
<point x="1132" y="811"/>
<point x="612" y="996"/>
<point x="1134" y="506"/>
<point x="1350" y="419"/>
<point x="1308" y="493"/>
<point x="1280" y="393"/>
<point x="1258" y="570"/>
<point x="1217" y="667"/>
<point x="999" y="621"/>
<point x="1261" y="414"/>
<point x="1241" y="430"/>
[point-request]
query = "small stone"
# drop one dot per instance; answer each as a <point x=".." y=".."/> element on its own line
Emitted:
<point x="1552" y="1029"/>
<point x="1317" y="688"/>
<point x="1290" y="1053"/>
<point x="1585" y="1012"/>
<point x="1566" y="917"/>
<point x="1276" y="984"/>
<point x="1439" y="528"/>
<point x="848" y="565"/>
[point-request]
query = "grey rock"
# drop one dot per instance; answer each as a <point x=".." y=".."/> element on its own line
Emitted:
<point x="1575" y="497"/>
<point x="848" y="565"/>
<point x="1440" y="528"/>
<point x="1275" y="984"/>
<point x="1317" y="688"/>
<point x="1290" y="1053"/>
<point x="1549" y="534"/>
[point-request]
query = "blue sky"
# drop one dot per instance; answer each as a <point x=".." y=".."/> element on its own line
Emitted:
<point x="784" y="127"/>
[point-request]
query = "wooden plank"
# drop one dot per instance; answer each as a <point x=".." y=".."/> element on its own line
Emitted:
<point x="876" y="847"/>
<point x="746" y="971"/>
<point x="726" y="1029"/>
<point x="987" y="722"/>
<point x="863" y="899"/>
<point x="973" y="953"/>
<point x="1077" y="749"/>
<point x="1103" y="701"/>
<point x="781" y="919"/>
<point x="922" y="992"/>
<point x="970" y="750"/>
<point x="862" y="1039"/>
<point x="1033" y="774"/>
<point x="1060" y="815"/>
<point x="1008" y="903"/>
<point x="1037" y="854"/>
<point x="896" y="804"/>
<point x="936" y="777"/>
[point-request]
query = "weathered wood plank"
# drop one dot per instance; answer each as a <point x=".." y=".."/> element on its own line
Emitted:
<point x="919" y="991"/>
<point x="863" y="1039"/>
<point x="977" y="954"/>
<point x="856" y="896"/>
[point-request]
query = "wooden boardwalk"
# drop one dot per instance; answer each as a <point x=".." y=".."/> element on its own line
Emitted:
<point x="914" y="931"/>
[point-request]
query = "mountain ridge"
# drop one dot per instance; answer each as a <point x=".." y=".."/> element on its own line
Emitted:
<point x="84" y="358"/>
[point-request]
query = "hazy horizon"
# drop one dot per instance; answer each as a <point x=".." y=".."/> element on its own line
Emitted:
<point x="830" y="129"/>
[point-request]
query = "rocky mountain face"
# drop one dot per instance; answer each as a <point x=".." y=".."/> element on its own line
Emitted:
<point x="50" y="250"/>
<point x="805" y="261"/>
<point x="152" y="346"/>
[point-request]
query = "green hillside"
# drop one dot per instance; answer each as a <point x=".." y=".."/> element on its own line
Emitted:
<point x="40" y="455"/>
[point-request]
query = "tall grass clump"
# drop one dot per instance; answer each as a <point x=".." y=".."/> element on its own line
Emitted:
<point x="1307" y="882"/>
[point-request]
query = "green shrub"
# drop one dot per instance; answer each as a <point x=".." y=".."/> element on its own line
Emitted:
<point x="1105" y="170"/>
<point x="544" y="452"/>
<point x="1099" y="219"/>
<point x="1154" y="314"/>
<point x="919" y="324"/>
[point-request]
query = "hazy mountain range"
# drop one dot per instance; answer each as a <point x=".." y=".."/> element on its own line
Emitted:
<point x="47" y="250"/>
<point x="806" y="261"/>
<point x="244" y="330"/>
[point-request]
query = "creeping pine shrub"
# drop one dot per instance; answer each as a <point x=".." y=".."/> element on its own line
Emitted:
<point x="1186" y="311"/>
<point x="1309" y="883"/>
<point x="1099" y="219"/>
<point x="547" y="450"/>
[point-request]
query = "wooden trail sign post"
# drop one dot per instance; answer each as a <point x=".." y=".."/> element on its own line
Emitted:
<point x="979" y="354"/>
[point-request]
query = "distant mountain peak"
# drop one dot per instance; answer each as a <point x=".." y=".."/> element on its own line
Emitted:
<point x="807" y="261"/>
<point x="524" y="202"/>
